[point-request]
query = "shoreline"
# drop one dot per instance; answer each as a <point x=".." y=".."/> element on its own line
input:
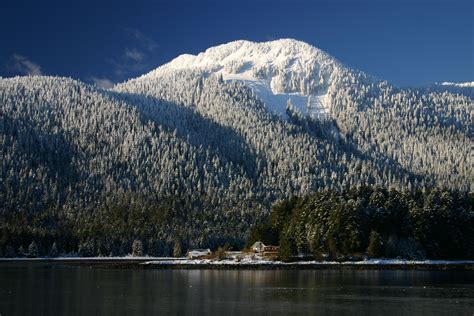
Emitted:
<point x="188" y="264"/>
<point x="373" y="264"/>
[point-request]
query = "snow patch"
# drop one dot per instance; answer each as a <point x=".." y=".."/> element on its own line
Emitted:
<point x="314" y="105"/>
<point x="460" y="84"/>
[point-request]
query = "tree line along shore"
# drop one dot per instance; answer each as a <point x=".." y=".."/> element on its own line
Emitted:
<point x="361" y="222"/>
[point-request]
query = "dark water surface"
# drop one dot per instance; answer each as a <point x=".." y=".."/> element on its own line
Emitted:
<point x="52" y="289"/>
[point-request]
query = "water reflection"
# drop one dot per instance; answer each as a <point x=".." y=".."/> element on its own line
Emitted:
<point x="62" y="290"/>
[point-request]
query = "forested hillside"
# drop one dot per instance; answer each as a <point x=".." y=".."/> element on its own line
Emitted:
<point x="190" y="158"/>
<point x="374" y="222"/>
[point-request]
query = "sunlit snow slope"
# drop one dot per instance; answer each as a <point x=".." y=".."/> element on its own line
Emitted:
<point x="460" y="85"/>
<point x="278" y="71"/>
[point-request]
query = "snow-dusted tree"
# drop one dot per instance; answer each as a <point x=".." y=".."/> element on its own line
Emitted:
<point x="177" y="248"/>
<point x="33" y="250"/>
<point x="53" y="251"/>
<point x="21" y="252"/>
<point x="137" y="248"/>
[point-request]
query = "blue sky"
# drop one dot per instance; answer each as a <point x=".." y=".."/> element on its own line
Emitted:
<point x="406" y="42"/>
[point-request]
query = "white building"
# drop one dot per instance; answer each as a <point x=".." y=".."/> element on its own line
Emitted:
<point x="198" y="253"/>
<point x="258" y="246"/>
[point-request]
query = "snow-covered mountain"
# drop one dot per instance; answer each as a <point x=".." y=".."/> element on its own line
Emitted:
<point x="277" y="71"/>
<point x="464" y="88"/>
<point x="194" y="147"/>
<point x="459" y="84"/>
<point x="371" y="114"/>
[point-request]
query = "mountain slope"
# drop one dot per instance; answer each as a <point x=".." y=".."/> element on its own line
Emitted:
<point x="434" y="126"/>
<point x="185" y="152"/>
<point x="277" y="71"/>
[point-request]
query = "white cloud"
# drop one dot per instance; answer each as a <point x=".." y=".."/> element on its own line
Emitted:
<point x="134" y="54"/>
<point x="103" y="83"/>
<point x="133" y="60"/>
<point x="25" y="66"/>
<point x="124" y="66"/>
<point x="142" y="39"/>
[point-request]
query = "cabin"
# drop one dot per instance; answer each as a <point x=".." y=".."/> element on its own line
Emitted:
<point x="198" y="253"/>
<point x="270" y="251"/>
<point x="257" y="246"/>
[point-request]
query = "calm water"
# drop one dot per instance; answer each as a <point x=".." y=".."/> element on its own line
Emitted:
<point x="35" y="289"/>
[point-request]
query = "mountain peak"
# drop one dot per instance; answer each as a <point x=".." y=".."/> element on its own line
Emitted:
<point x="282" y="53"/>
<point x="278" y="71"/>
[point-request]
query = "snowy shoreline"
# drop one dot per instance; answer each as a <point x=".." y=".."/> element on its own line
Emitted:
<point x="371" y="261"/>
<point x="311" y="263"/>
<point x="185" y="263"/>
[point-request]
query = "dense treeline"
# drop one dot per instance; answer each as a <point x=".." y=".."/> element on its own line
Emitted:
<point x="435" y="224"/>
<point x="161" y="225"/>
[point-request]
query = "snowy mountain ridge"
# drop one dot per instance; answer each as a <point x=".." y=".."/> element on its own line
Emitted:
<point x="277" y="71"/>
<point x="459" y="84"/>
